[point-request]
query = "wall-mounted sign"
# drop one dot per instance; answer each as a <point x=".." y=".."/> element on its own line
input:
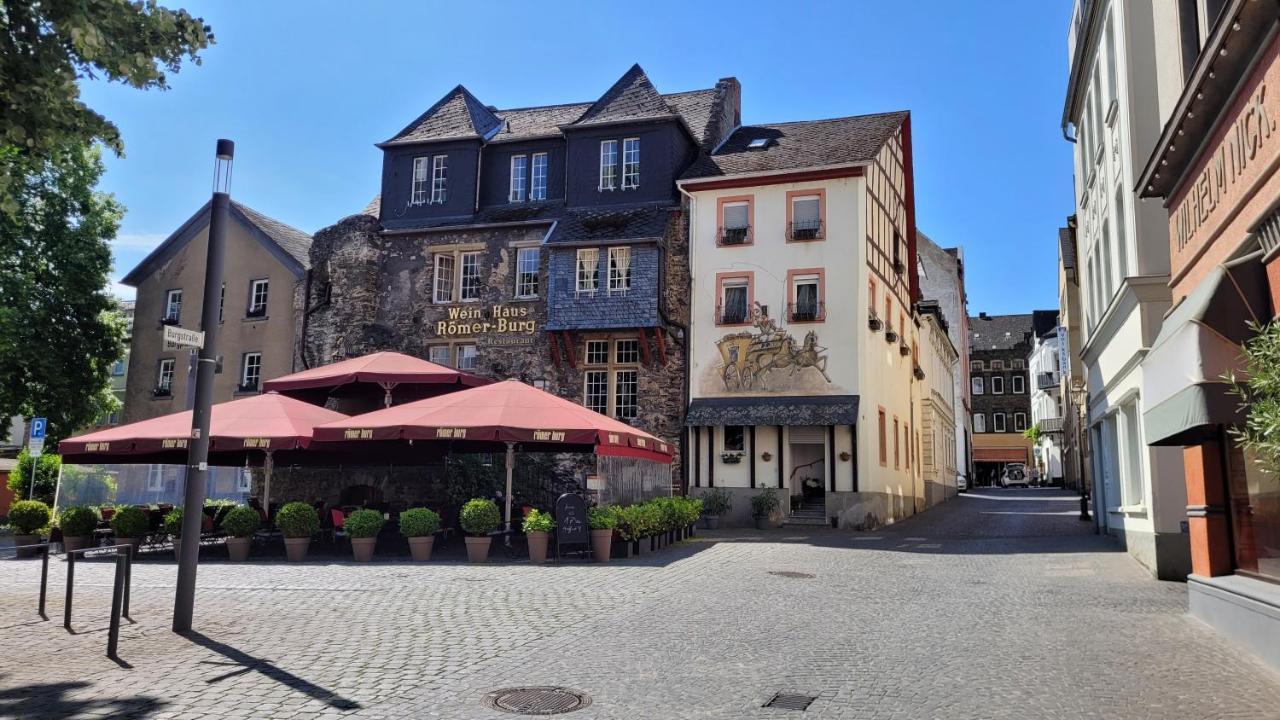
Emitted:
<point x="496" y="319"/>
<point x="176" y="338"/>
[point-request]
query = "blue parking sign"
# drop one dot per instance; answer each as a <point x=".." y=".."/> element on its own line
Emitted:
<point x="38" y="426"/>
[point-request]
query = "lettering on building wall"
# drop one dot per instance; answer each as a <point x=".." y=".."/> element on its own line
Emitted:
<point x="1238" y="150"/>
<point x="748" y="358"/>
<point x="500" y="319"/>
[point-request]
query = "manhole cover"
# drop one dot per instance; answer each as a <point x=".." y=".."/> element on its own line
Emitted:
<point x="537" y="700"/>
<point x="791" y="574"/>
<point x="790" y="701"/>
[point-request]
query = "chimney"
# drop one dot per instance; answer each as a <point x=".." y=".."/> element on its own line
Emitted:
<point x="982" y="315"/>
<point x="727" y="111"/>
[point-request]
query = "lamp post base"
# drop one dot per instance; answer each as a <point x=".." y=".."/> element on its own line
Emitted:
<point x="1084" y="508"/>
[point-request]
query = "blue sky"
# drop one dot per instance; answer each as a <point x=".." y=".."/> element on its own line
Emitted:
<point x="305" y="89"/>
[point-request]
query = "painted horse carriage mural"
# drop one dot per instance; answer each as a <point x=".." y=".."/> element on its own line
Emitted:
<point x="747" y="358"/>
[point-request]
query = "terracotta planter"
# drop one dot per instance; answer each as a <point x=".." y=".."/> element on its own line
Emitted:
<point x="537" y="546"/>
<point x="602" y="544"/>
<point x="27" y="540"/>
<point x="711" y="522"/>
<point x="420" y="547"/>
<point x="478" y="549"/>
<point x="362" y="548"/>
<point x="238" y="548"/>
<point x="74" y="542"/>
<point x="296" y="548"/>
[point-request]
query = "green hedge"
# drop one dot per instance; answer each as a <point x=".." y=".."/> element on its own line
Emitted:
<point x="656" y="516"/>
<point x="29" y="517"/>
<point x="173" y="522"/>
<point x="78" y="521"/>
<point x="129" y="522"/>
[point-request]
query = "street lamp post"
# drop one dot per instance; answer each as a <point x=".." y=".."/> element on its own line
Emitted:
<point x="1080" y="398"/>
<point x="206" y="364"/>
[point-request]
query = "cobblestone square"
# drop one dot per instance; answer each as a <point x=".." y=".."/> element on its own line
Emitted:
<point x="1000" y="604"/>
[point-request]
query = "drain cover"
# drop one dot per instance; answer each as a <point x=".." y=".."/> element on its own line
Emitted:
<point x="790" y="701"/>
<point x="537" y="700"/>
<point x="791" y="574"/>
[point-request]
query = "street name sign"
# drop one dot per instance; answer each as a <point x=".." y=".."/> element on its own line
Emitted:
<point x="176" y="338"/>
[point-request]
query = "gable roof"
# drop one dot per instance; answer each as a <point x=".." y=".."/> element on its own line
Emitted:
<point x="799" y="145"/>
<point x="999" y="332"/>
<point x="631" y="98"/>
<point x="457" y="115"/>
<point x="697" y="107"/>
<point x="291" y="246"/>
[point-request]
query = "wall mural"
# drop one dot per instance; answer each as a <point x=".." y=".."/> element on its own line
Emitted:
<point x="749" y="359"/>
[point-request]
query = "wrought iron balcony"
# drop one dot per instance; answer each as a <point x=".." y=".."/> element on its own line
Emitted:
<point x="806" y="311"/>
<point x="735" y="235"/>
<point x="1051" y="425"/>
<point x="1046" y="380"/>
<point x="805" y="230"/>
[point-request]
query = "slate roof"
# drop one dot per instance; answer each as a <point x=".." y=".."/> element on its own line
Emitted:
<point x="774" y="410"/>
<point x="999" y="332"/>
<point x="537" y="122"/>
<point x="290" y="239"/>
<point x="696" y="107"/>
<point x="524" y="212"/>
<point x="631" y="98"/>
<point x="457" y="115"/>
<point x="596" y="225"/>
<point x="799" y="145"/>
<point x="1067" y="247"/>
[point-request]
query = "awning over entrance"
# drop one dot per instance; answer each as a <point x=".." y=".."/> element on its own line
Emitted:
<point x="774" y="410"/>
<point x="1199" y="343"/>
<point x="1011" y="454"/>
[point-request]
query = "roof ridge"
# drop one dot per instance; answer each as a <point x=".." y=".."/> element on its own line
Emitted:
<point x="286" y="225"/>
<point x="633" y="88"/>
<point x="831" y="119"/>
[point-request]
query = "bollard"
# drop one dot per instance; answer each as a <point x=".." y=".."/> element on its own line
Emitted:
<point x="128" y="578"/>
<point x="44" y="578"/>
<point x="117" y="598"/>
<point x="71" y="576"/>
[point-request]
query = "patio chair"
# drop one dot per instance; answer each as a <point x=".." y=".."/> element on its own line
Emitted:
<point x="339" y="519"/>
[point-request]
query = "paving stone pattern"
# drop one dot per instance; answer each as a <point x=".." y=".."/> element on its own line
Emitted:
<point x="999" y="604"/>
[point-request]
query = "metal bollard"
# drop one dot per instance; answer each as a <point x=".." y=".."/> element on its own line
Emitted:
<point x="128" y="578"/>
<point x="44" y="579"/>
<point x="117" y="598"/>
<point x="71" y="576"/>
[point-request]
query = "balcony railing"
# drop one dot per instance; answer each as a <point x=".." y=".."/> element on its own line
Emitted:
<point x="1051" y="425"/>
<point x="735" y="235"/>
<point x="1046" y="380"/>
<point x="732" y="315"/>
<point x="806" y="311"/>
<point x="805" y="230"/>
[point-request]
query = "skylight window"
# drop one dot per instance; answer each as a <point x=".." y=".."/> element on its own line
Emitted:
<point x="758" y="143"/>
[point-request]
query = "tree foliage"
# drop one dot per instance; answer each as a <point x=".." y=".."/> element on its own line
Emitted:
<point x="59" y="330"/>
<point x="46" y="46"/>
<point x="46" y="477"/>
<point x="1259" y="393"/>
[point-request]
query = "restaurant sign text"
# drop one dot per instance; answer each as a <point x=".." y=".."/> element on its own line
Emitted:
<point x="496" y="319"/>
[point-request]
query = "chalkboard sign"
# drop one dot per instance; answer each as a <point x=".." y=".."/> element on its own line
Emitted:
<point x="571" y="520"/>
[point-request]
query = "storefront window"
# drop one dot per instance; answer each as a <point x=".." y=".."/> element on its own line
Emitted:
<point x="1255" y="517"/>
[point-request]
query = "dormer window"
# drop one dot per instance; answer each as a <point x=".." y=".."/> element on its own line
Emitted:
<point x="588" y="270"/>
<point x="631" y="163"/>
<point x="539" y="189"/>
<point x="608" y="165"/>
<point x="619" y="269"/>
<point x="420" y="178"/>
<point x="519" y="175"/>
<point x="439" y="179"/>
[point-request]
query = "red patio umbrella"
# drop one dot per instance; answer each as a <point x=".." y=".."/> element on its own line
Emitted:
<point x="267" y="422"/>
<point x="385" y="370"/>
<point x="506" y="412"/>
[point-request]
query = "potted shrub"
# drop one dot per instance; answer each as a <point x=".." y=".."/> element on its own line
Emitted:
<point x="419" y="526"/>
<point x="129" y="523"/>
<point x="479" y="518"/>
<point x="297" y="521"/>
<point x="602" y="521"/>
<point x="173" y="528"/>
<point x="715" y="502"/>
<point x="362" y="527"/>
<point x="240" y="523"/>
<point x="77" y="524"/>
<point x="763" y="506"/>
<point x="537" y="530"/>
<point x="29" y="519"/>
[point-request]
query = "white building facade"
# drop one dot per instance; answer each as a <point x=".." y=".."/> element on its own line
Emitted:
<point x="1045" y="366"/>
<point x="1111" y="104"/>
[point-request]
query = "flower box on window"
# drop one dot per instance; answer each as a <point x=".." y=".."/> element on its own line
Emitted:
<point x="890" y="336"/>
<point x="168" y="321"/>
<point x="918" y="372"/>
<point x="904" y="350"/>
<point x="161" y="392"/>
<point x="874" y="322"/>
<point x="731" y="458"/>
<point x="899" y="266"/>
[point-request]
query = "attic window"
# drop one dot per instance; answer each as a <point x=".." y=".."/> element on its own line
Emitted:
<point x="758" y="144"/>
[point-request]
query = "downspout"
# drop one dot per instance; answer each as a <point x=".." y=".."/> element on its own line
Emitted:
<point x="688" y="337"/>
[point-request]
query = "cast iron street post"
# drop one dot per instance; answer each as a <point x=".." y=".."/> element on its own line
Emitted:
<point x="198" y="456"/>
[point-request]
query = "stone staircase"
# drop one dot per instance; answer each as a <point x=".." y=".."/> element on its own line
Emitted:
<point x="813" y="513"/>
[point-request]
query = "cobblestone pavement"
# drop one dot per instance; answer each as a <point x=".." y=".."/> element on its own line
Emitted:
<point x="999" y="604"/>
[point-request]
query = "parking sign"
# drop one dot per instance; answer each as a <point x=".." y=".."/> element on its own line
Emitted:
<point x="35" y="445"/>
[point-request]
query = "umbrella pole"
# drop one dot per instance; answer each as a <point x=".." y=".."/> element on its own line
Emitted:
<point x="511" y="453"/>
<point x="268" y="467"/>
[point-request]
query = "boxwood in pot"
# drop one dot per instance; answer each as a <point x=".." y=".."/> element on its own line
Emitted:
<point x="602" y="521"/>
<point x="29" y="519"/>
<point x="419" y="526"/>
<point x="129" y="523"/>
<point x="173" y="522"/>
<point x="297" y="521"/>
<point x="479" y="518"/>
<point x="78" y="522"/>
<point x="537" y="527"/>
<point x="240" y="523"/>
<point x="363" y="526"/>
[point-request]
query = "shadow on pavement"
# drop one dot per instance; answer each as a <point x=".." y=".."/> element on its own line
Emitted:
<point x="52" y="700"/>
<point x="250" y="663"/>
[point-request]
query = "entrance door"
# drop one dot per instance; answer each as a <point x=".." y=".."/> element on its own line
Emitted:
<point x="807" y="467"/>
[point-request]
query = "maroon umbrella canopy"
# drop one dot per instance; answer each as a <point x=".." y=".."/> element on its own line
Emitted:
<point x="377" y="376"/>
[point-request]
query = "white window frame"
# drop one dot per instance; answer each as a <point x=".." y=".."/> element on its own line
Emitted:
<point x="538" y="170"/>
<point x="527" y="288"/>
<point x="155" y="478"/>
<point x="597" y="349"/>
<point x="471" y="257"/>
<point x="976" y="365"/>
<point x="173" y="304"/>
<point x="979" y="423"/>
<point x="439" y="179"/>
<point x="432" y="354"/>
<point x="724" y="439"/>
<point x="615" y="373"/>
<point x="164" y="374"/>
<point x="594" y="383"/>
<point x="1017" y="365"/>
<point x="420" y="183"/>
<point x="459" y="352"/>
<point x="440" y="277"/>
<point x="263" y="285"/>
<point x="1019" y="385"/>
<point x="1019" y="421"/>
<point x="998" y="423"/>
<point x="608" y="165"/>
<point x="976" y="386"/>
<point x="518" y="192"/>
<point x="587" y="283"/>
<point x="244" y="480"/>
<point x="251" y="360"/>
<point x="633" y="408"/>
<point x="619" y="281"/>
<point x="997" y="365"/>
<point x="631" y="167"/>
<point x="997" y="384"/>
